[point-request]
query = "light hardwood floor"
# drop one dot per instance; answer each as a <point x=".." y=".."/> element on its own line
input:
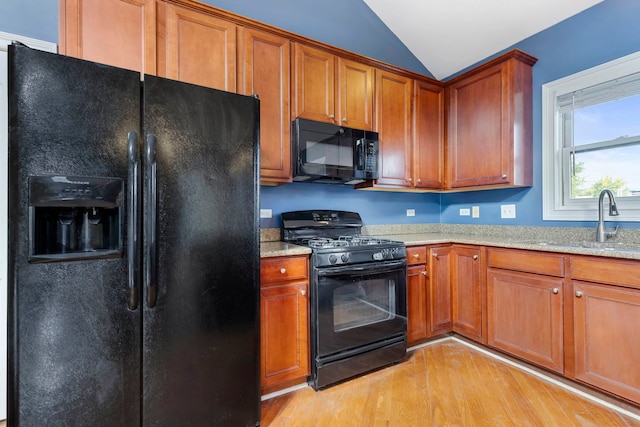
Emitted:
<point x="443" y="384"/>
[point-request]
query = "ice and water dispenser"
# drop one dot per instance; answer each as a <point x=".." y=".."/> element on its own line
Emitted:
<point x="73" y="218"/>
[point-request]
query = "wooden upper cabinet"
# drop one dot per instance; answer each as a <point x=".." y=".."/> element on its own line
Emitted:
<point x="197" y="48"/>
<point x="490" y="124"/>
<point x="354" y="94"/>
<point x="263" y="69"/>
<point x="313" y="86"/>
<point x="121" y="33"/>
<point x="428" y="135"/>
<point x="393" y="124"/>
<point x="331" y="89"/>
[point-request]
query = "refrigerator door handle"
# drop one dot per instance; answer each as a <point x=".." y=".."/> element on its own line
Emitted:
<point x="151" y="268"/>
<point x="132" y="220"/>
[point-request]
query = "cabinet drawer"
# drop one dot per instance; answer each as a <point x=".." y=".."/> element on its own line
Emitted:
<point x="609" y="271"/>
<point x="416" y="255"/>
<point x="283" y="268"/>
<point x="527" y="261"/>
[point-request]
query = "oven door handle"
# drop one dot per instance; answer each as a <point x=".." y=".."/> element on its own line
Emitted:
<point x="369" y="268"/>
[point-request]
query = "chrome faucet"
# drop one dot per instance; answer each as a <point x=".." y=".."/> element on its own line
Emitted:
<point x="601" y="233"/>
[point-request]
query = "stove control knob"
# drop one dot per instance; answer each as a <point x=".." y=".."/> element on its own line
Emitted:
<point x="333" y="259"/>
<point x="345" y="257"/>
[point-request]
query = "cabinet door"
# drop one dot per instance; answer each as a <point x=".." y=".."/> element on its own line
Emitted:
<point x="524" y="316"/>
<point x="439" y="317"/>
<point x="196" y="48"/>
<point x="284" y="333"/>
<point x="313" y="87"/>
<point x="114" y="32"/>
<point x="428" y="135"/>
<point x="466" y="292"/>
<point x="354" y="94"/>
<point x="416" y="303"/>
<point x="393" y="123"/>
<point x="607" y="341"/>
<point x="264" y="70"/>
<point x="478" y="139"/>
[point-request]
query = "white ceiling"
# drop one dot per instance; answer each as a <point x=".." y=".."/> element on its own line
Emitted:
<point x="450" y="35"/>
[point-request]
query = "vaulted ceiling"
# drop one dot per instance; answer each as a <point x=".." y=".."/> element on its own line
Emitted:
<point x="448" y="36"/>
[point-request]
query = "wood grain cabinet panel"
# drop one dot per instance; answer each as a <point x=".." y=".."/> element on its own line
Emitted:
<point x="393" y="124"/>
<point x="284" y="320"/>
<point x="332" y="89"/>
<point x="121" y="33"/>
<point x="264" y="69"/>
<point x="467" y="292"/>
<point x="197" y="48"/>
<point x="428" y="135"/>
<point x="439" y="319"/>
<point x="607" y="339"/>
<point x="525" y="316"/>
<point x="417" y="282"/>
<point x="489" y="140"/>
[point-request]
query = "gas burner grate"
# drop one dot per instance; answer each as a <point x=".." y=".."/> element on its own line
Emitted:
<point x="326" y="243"/>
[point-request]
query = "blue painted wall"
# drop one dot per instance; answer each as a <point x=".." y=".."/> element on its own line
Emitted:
<point x="605" y="32"/>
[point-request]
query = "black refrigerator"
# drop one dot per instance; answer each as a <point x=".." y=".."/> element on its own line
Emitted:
<point x="133" y="248"/>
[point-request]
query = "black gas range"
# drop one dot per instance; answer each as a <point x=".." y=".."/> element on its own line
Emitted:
<point x="357" y="294"/>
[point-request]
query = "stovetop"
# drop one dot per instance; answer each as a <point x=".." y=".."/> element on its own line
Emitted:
<point x="335" y="239"/>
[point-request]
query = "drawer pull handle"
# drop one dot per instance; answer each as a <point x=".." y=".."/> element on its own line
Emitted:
<point x="475" y="257"/>
<point x="283" y="270"/>
<point x="303" y="292"/>
<point x="578" y="294"/>
<point x="555" y="290"/>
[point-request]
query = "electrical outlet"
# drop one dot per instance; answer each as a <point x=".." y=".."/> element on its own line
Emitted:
<point x="465" y="212"/>
<point x="266" y="213"/>
<point x="475" y="211"/>
<point x="411" y="212"/>
<point x="507" y="211"/>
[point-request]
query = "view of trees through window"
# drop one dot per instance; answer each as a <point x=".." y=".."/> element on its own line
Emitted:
<point x="606" y="148"/>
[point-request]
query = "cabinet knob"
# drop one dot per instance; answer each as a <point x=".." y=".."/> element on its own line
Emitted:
<point x="435" y="255"/>
<point x="423" y="272"/>
<point x="578" y="294"/>
<point x="303" y="292"/>
<point x="555" y="290"/>
<point x="419" y="181"/>
<point x="409" y="179"/>
<point x="416" y="256"/>
<point x="504" y="176"/>
<point x="283" y="270"/>
<point x="344" y="120"/>
<point x="475" y="257"/>
<point x="331" y="116"/>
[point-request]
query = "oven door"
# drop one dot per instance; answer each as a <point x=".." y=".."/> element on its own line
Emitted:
<point x="359" y="305"/>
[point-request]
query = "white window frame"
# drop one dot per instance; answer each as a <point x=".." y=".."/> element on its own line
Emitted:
<point x="554" y="207"/>
<point x="5" y="41"/>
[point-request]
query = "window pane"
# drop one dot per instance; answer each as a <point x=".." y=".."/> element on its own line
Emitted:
<point x="613" y="168"/>
<point x="608" y="121"/>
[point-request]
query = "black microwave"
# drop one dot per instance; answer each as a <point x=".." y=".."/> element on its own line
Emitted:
<point x="327" y="153"/>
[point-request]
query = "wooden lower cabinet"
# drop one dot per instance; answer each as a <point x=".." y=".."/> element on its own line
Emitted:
<point x="439" y="319"/>
<point x="417" y="288"/>
<point x="607" y="337"/>
<point x="467" y="292"/>
<point x="525" y="316"/>
<point x="284" y="320"/>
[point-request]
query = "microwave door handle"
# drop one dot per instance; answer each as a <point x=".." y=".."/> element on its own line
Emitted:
<point x="360" y="153"/>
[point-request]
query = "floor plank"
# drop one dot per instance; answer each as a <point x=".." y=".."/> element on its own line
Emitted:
<point x="444" y="384"/>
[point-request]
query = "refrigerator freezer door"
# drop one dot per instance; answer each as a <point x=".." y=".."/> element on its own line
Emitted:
<point x="201" y="339"/>
<point x="74" y="345"/>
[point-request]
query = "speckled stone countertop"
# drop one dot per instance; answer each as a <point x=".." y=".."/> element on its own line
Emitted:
<point x="550" y="239"/>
